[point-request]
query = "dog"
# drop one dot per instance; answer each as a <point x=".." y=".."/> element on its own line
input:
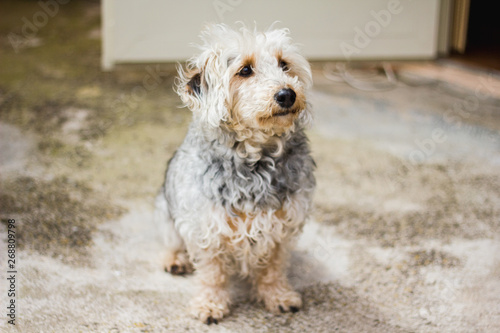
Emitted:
<point x="239" y="188"/>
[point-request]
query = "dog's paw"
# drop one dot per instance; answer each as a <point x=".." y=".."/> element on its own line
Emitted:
<point x="281" y="301"/>
<point x="210" y="308"/>
<point x="177" y="263"/>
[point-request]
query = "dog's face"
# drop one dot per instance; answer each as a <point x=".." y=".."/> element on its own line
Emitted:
<point x="246" y="81"/>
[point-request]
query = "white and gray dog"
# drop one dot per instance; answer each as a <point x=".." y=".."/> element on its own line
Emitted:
<point x="239" y="188"/>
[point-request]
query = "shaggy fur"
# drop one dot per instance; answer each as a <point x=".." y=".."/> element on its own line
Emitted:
<point x="239" y="188"/>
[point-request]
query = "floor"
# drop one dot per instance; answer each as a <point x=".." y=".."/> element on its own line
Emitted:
<point x="482" y="58"/>
<point x="405" y="234"/>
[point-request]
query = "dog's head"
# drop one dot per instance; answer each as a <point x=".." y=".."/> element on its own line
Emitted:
<point x="246" y="81"/>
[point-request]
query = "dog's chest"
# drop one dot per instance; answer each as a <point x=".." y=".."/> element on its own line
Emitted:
<point x="263" y="185"/>
<point x="253" y="238"/>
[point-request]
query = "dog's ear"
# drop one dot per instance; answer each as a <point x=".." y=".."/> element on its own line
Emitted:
<point x="194" y="84"/>
<point x="188" y="83"/>
<point x="203" y="87"/>
<point x="188" y="87"/>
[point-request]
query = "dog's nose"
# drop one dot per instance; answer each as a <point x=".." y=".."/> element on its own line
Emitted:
<point x="285" y="97"/>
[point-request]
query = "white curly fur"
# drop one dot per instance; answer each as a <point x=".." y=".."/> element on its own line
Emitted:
<point x="239" y="188"/>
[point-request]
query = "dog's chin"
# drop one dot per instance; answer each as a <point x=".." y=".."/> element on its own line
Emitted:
<point x="284" y="113"/>
<point x="280" y="119"/>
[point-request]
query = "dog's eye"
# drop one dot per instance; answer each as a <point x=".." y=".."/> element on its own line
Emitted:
<point x="284" y="65"/>
<point x="246" y="71"/>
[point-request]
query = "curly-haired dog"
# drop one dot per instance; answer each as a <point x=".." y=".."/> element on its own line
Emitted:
<point x="239" y="188"/>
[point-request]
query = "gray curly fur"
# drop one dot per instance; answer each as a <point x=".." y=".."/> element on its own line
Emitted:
<point x="236" y="183"/>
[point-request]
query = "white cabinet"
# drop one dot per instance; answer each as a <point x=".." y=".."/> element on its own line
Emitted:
<point x="164" y="30"/>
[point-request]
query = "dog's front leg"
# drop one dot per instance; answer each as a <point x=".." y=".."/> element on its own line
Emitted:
<point x="212" y="301"/>
<point x="273" y="287"/>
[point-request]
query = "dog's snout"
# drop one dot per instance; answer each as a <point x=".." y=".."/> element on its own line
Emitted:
<point x="285" y="97"/>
